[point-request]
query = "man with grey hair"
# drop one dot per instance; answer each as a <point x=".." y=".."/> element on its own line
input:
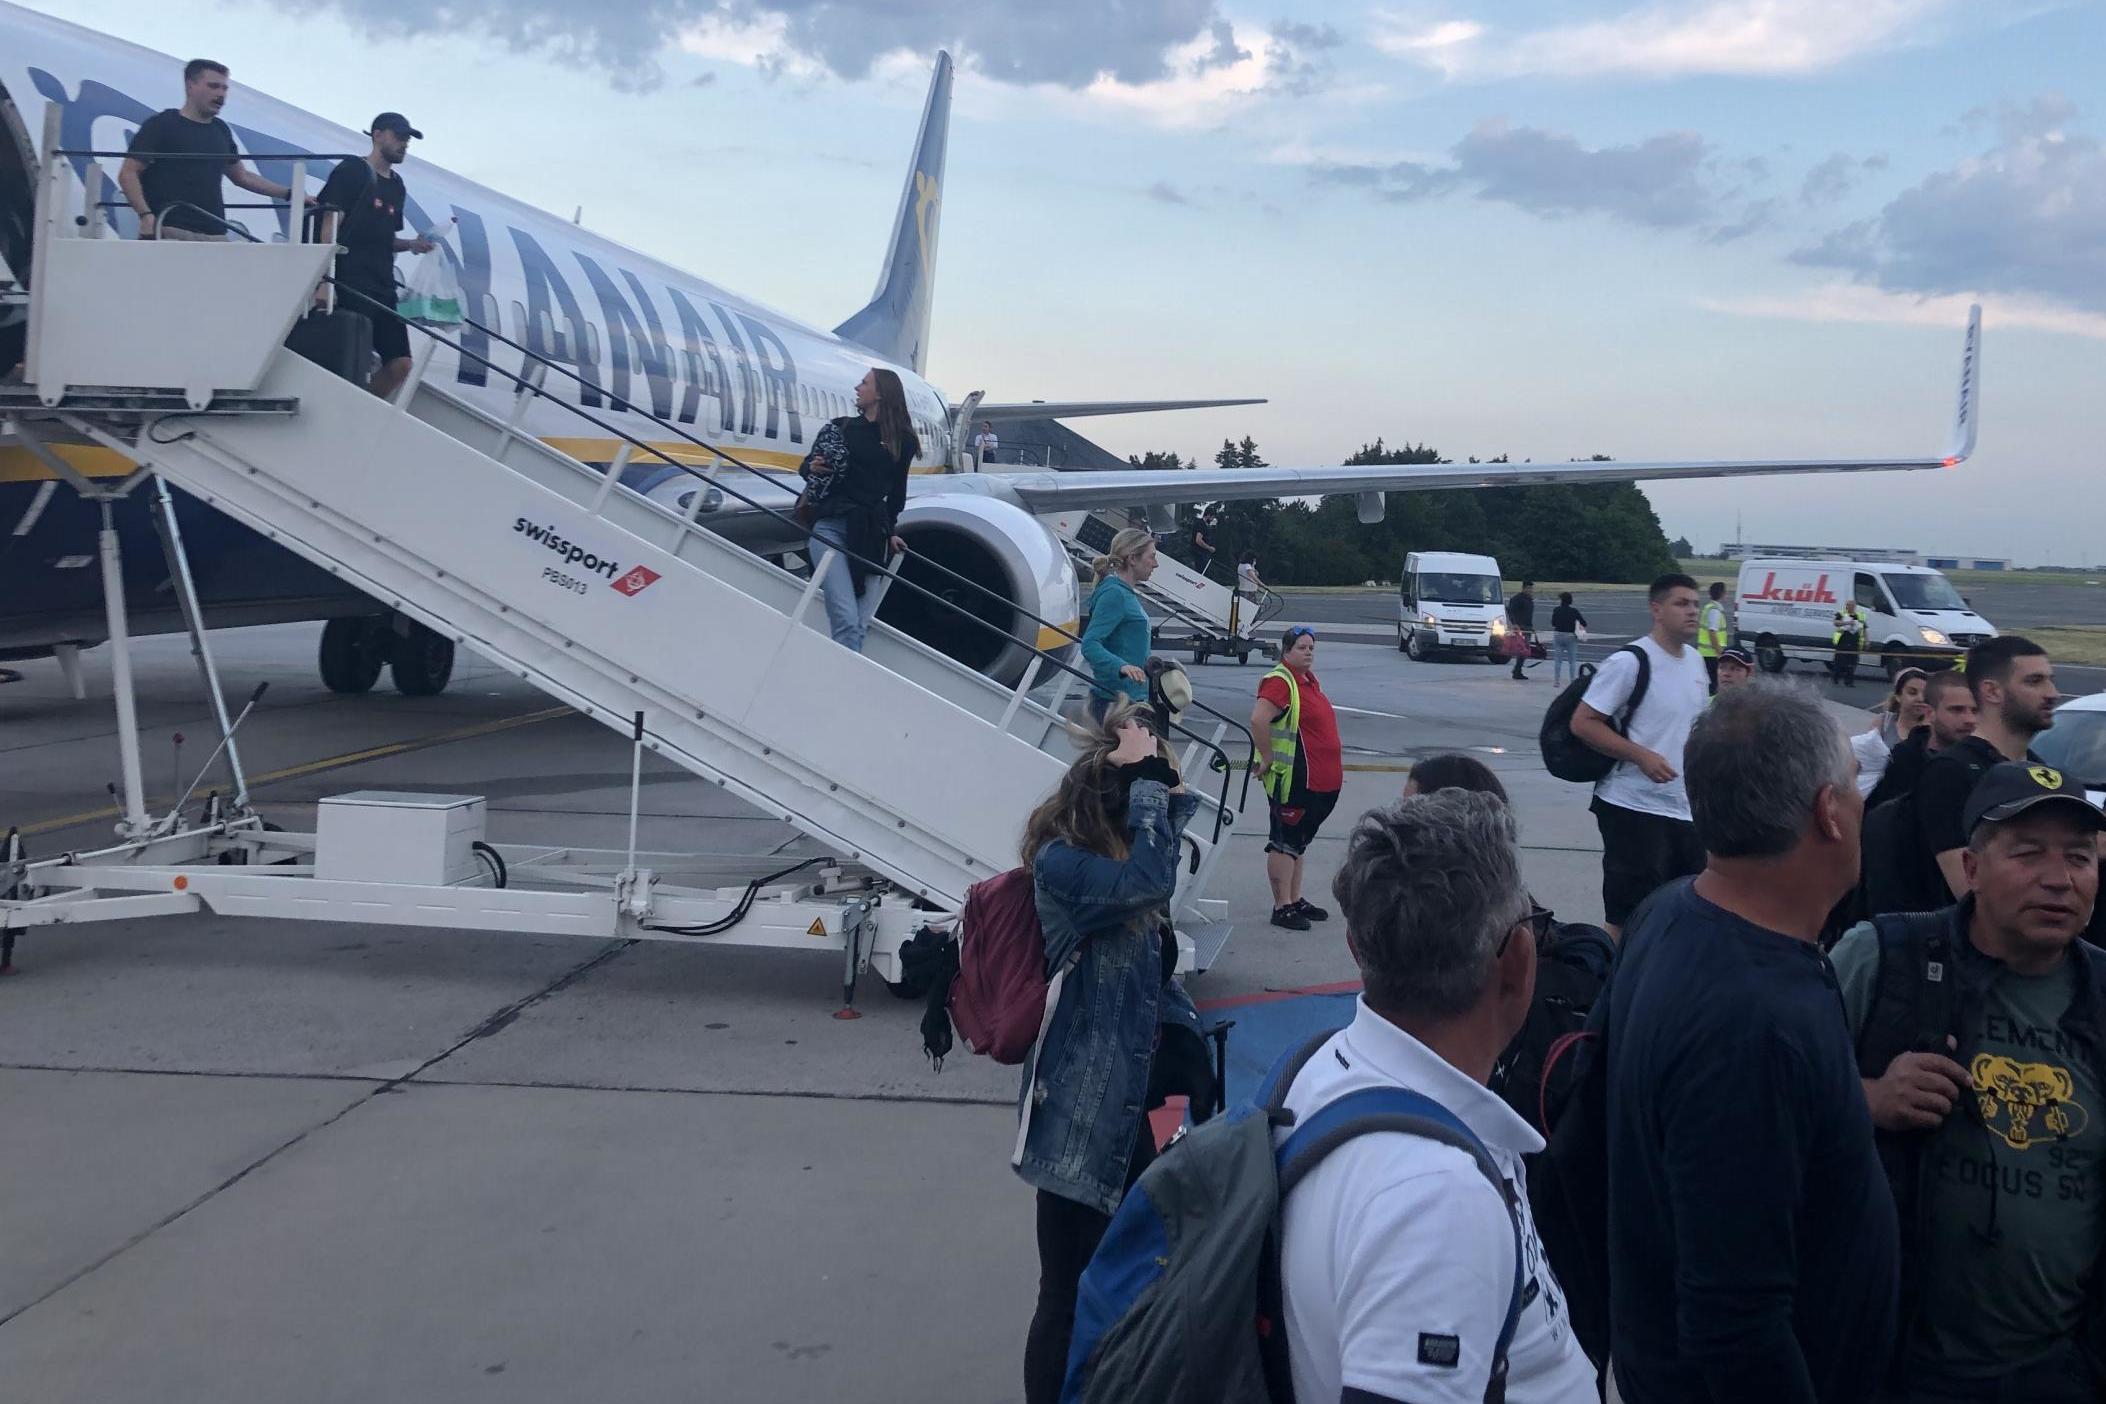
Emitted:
<point x="1397" y="1258"/>
<point x="1752" y="1244"/>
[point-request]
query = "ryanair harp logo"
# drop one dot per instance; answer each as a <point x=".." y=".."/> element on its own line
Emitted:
<point x="2026" y="1102"/>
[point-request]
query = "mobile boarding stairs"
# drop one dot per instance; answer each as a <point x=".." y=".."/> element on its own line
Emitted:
<point x="913" y="772"/>
<point x="1195" y="612"/>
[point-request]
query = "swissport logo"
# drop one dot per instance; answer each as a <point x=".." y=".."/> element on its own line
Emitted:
<point x="631" y="582"/>
<point x="1816" y="593"/>
<point x="638" y="580"/>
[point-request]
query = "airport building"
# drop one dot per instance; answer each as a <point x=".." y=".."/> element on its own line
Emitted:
<point x="1893" y="555"/>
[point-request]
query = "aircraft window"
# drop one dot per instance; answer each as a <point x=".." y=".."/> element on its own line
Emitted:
<point x="519" y="323"/>
<point x="592" y="343"/>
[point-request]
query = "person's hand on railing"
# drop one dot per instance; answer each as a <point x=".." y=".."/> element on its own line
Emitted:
<point x="898" y="545"/>
<point x="147" y="226"/>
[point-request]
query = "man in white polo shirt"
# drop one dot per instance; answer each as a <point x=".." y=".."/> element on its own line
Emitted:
<point x="1397" y="1252"/>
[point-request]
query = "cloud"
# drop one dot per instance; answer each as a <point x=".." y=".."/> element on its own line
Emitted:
<point x="2027" y="217"/>
<point x="1832" y="179"/>
<point x="1226" y="50"/>
<point x="1660" y="183"/>
<point x="1297" y="60"/>
<point x="1672" y="38"/>
<point x="1755" y="216"/>
<point x="1856" y="303"/>
<point x="1169" y="194"/>
<point x="1073" y="45"/>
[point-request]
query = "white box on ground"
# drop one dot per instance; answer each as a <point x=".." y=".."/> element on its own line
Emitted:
<point x="391" y="836"/>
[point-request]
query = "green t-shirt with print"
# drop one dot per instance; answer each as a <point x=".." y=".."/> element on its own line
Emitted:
<point x="2022" y="1155"/>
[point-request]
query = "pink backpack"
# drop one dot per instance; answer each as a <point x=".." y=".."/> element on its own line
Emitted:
<point x="998" y="1001"/>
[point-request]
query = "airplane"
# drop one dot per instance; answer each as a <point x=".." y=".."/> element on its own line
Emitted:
<point x="657" y="353"/>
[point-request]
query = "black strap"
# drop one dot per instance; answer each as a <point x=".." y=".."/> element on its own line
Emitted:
<point x="1638" y="688"/>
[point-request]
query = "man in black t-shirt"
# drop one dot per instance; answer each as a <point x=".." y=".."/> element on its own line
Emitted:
<point x="365" y="199"/>
<point x="172" y="169"/>
<point x="2015" y="696"/>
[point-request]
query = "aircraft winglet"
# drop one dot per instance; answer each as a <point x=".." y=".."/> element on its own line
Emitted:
<point x="1964" y="425"/>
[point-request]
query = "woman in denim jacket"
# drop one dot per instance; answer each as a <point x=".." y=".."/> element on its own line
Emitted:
<point x="1103" y="854"/>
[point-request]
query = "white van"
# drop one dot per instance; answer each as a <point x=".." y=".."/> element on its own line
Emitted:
<point x="1786" y="609"/>
<point x="1449" y="600"/>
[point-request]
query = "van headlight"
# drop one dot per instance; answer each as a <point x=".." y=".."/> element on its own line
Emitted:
<point x="1933" y="637"/>
<point x="1428" y="619"/>
<point x="1498" y="627"/>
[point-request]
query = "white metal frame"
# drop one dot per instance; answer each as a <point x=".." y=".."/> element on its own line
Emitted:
<point x="248" y="465"/>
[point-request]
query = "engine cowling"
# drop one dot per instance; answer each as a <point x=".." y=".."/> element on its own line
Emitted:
<point x="1002" y="548"/>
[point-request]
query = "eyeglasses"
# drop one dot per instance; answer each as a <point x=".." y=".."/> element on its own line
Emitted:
<point x="1539" y="921"/>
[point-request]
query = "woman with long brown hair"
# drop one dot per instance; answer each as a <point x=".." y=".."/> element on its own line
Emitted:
<point x="1102" y="850"/>
<point x="860" y="515"/>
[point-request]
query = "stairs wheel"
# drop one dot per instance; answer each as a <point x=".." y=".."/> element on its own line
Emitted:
<point x="352" y="654"/>
<point x="422" y="662"/>
<point x="1770" y="658"/>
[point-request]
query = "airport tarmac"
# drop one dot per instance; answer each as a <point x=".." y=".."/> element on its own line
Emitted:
<point x="278" y="1160"/>
<point x="1614" y="616"/>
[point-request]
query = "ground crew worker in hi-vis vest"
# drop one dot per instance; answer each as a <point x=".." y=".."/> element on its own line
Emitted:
<point x="1711" y="638"/>
<point x="1299" y="759"/>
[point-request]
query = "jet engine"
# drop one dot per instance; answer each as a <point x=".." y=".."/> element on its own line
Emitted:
<point x="1022" y="571"/>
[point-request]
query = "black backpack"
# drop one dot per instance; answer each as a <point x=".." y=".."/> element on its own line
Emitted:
<point x="1568" y="1184"/>
<point x="1565" y="755"/>
<point x="1535" y="1075"/>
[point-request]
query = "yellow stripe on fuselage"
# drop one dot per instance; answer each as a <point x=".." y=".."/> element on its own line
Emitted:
<point x="19" y="465"/>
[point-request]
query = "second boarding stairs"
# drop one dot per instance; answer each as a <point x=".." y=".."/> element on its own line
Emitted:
<point x="898" y="759"/>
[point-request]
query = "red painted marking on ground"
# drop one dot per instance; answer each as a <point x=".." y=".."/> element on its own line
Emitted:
<point x="1274" y="996"/>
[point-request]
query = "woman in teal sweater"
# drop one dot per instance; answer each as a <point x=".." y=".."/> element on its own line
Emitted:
<point x="1115" y="644"/>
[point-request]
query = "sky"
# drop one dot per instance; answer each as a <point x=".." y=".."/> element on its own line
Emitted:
<point x="1547" y="228"/>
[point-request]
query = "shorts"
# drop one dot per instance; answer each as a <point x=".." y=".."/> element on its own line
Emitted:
<point x="1294" y="824"/>
<point x="390" y="333"/>
<point x="1641" y="853"/>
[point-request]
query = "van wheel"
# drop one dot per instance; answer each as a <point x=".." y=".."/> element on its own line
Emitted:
<point x="1769" y="658"/>
<point x="1415" y="647"/>
<point x="1403" y="641"/>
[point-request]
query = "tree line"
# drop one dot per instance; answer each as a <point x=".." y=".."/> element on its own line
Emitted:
<point x="1593" y="531"/>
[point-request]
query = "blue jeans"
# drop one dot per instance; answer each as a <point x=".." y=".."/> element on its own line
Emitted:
<point x="848" y="613"/>
<point x="1564" y="656"/>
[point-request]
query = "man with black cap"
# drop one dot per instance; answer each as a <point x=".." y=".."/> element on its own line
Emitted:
<point x="1978" y="1031"/>
<point x="365" y="200"/>
<point x="1731" y="668"/>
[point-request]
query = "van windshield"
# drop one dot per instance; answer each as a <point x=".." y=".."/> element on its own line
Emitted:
<point x="1460" y="589"/>
<point x="1924" y="592"/>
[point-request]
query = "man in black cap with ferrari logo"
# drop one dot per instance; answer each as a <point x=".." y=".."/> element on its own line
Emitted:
<point x="1979" y="1033"/>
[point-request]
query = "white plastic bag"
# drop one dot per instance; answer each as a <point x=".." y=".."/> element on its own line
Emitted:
<point x="1581" y="630"/>
<point x="434" y="292"/>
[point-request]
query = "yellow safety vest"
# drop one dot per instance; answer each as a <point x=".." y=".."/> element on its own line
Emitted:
<point x="1286" y="737"/>
<point x="1836" y="639"/>
<point x="1711" y="630"/>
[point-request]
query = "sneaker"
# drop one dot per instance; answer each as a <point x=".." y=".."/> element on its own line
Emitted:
<point x="1310" y="910"/>
<point x="1290" y="917"/>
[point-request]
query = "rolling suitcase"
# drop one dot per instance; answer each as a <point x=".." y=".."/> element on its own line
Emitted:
<point x="340" y="342"/>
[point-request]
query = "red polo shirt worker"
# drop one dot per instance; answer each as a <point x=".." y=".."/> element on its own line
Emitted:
<point x="1298" y="756"/>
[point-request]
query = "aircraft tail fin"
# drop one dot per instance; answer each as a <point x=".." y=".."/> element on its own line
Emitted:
<point x="895" y="323"/>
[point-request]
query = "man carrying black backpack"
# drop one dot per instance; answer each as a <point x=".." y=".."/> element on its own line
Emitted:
<point x="1978" y="1032"/>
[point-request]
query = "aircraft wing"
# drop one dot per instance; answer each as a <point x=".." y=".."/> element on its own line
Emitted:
<point x="1079" y="409"/>
<point x="1046" y="492"/>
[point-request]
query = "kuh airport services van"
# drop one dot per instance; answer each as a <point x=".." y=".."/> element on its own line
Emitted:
<point x="1787" y="608"/>
<point x="1450" y="601"/>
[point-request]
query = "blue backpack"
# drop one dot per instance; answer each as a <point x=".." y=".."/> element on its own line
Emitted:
<point x="1182" y="1301"/>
